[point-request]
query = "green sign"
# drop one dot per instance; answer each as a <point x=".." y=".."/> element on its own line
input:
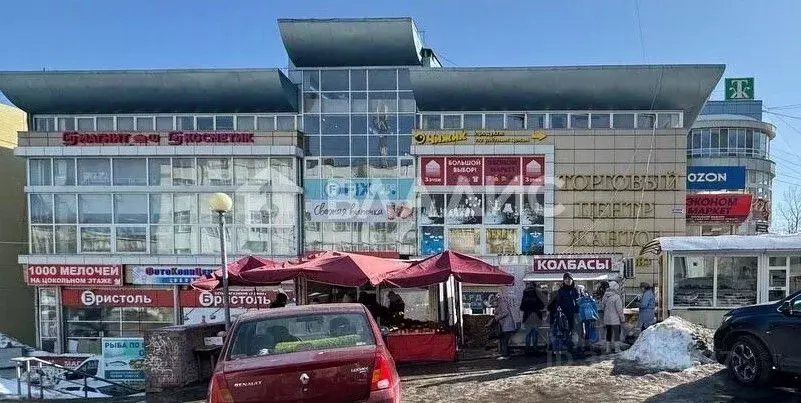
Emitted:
<point x="739" y="88"/>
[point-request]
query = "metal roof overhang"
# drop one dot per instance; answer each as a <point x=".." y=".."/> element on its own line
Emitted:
<point x="723" y="244"/>
<point x="150" y="91"/>
<point x="645" y="87"/>
<point x="351" y="42"/>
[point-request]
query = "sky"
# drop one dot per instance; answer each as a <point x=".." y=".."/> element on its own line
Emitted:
<point x="755" y="38"/>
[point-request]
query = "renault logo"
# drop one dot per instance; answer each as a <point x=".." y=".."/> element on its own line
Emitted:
<point x="304" y="379"/>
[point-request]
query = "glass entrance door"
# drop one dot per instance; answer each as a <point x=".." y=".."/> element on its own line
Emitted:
<point x="777" y="284"/>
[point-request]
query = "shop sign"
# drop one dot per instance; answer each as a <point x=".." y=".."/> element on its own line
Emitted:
<point x="124" y="358"/>
<point x="90" y="275"/>
<point x="439" y="137"/>
<point x="433" y="171"/>
<point x="668" y="181"/>
<point x="715" y="178"/>
<point x="117" y="297"/>
<point x="611" y="239"/>
<point x="176" y="138"/>
<point x="740" y="88"/>
<point x="760" y="209"/>
<point x="239" y="298"/>
<point x="573" y="264"/>
<point x="357" y="189"/>
<point x="164" y="274"/>
<point x="501" y="171"/>
<point x="463" y="171"/>
<point x="761" y="228"/>
<point x="720" y="207"/>
<point x="359" y="211"/>
<point x="482" y="171"/>
<point x="595" y="210"/>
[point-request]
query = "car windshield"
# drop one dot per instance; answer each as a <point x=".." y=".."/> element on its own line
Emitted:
<point x="289" y="334"/>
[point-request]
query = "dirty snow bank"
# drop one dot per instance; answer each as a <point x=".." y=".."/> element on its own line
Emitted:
<point x="674" y="345"/>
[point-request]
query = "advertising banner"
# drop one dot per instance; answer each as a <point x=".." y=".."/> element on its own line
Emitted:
<point x="248" y="298"/>
<point x="116" y="297"/>
<point x="463" y="171"/>
<point x="432" y="240"/>
<point x="58" y="274"/>
<point x="164" y="274"/>
<point x="123" y="358"/>
<point x="360" y="210"/>
<point x="573" y="264"/>
<point x="533" y="171"/>
<point x="760" y="209"/>
<point x="358" y="189"/>
<point x="502" y="241"/>
<point x="432" y="171"/>
<point x="715" y="178"/>
<point x="719" y="207"/>
<point x="533" y="241"/>
<point x="176" y="138"/>
<point x="501" y="171"/>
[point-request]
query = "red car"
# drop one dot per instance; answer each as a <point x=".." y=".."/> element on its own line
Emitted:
<point x="330" y="353"/>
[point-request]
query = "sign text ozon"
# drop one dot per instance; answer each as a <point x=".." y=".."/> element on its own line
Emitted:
<point x="669" y="181"/>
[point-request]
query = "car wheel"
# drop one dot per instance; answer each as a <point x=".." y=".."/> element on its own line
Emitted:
<point x="749" y="362"/>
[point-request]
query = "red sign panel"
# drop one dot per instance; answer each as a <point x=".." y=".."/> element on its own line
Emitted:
<point x="463" y="171"/>
<point x="240" y="298"/>
<point x="172" y="138"/>
<point x="432" y="171"/>
<point x="573" y="264"/>
<point x="533" y="171"/>
<point x="501" y="171"/>
<point x="59" y="274"/>
<point x="117" y="297"/>
<point x="719" y="207"/>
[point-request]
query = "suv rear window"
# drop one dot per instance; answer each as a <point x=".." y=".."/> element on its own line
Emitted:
<point x="289" y="334"/>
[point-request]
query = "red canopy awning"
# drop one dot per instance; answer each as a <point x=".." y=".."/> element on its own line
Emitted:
<point x="235" y="269"/>
<point x="438" y="268"/>
<point x="335" y="268"/>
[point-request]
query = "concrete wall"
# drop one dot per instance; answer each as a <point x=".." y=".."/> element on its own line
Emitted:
<point x="707" y="318"/>
<point x="172" y="361"/>
<point x="17" y="319"/>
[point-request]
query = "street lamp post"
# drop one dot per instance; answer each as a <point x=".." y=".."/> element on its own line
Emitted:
<point x="221" y="204"/>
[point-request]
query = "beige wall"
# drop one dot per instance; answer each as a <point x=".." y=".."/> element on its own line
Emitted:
<point x="17" y="315"/>
<point x="612" y="157"/>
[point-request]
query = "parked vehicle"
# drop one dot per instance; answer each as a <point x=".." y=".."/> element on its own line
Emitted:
<point x="758" y="340"/>
<point x="332" y="353"/>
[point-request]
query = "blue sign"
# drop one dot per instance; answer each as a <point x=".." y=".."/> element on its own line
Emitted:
<point x="123" y="358"/>
<point x="715" y="178"/>
<point x="358" y="189"/>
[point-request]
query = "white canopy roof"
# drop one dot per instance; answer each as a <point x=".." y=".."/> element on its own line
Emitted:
<point x="767" y="242"/>
<point x="576" y="276"/>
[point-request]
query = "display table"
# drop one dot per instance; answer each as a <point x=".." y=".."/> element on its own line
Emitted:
<point x="421" y="347"/>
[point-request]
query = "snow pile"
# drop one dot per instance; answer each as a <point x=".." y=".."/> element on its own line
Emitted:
<point x="674" y="344"/>
<point x="7" y="341"/>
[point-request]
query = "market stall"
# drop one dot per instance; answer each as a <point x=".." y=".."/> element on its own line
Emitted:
<point x="446" y="271"/>
<point x="547" y="272"/>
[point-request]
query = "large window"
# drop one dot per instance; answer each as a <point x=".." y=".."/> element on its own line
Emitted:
<point x="86" y="326"/>
<point x="719" y="282"/>
<point x="728" y="142"/>
<point x="94" y="172"/>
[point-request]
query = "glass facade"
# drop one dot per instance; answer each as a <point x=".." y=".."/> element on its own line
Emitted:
<point x="728" y="142"/>
<point x="158" y="205"/>
<point x="716" y="282"/>
<point x="165" y="123"/>
<point x="530" y="120"/>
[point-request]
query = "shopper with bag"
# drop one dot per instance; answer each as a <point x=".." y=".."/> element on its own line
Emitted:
<point x="566" y="299"/>
<point x="504" y="321"/>
<point x="612" y="305"/>
<point x="588" y="313"/>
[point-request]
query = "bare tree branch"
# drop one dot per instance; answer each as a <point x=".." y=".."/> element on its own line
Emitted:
<point x="790" y="210"/>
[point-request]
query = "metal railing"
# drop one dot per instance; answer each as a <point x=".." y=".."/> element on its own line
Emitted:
<point x="36" y="364"/>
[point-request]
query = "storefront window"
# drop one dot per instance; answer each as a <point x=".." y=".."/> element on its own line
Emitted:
<point x="95" y="239"/>
<point x="501" y="209"/>
<point x="39" y="172"/>
<point x="64" y="172"/>
<point x="132" y="239"/>
<point x="94" y="172"/>
<point x="130" y="172"/>
<point x="465" y="209"/>
<point x="214" y="171"/>
<point x="502" y="241"/>
<point x="48" y="319"/>
<point x="737" y="281"/>
<point x="464" y="240"/>
<point x="795" y="275"/>
<point x="693" y="281"/>
<point x="86" y="326"/>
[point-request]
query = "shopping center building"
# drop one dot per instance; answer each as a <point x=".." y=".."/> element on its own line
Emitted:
<point x="365" y="143"/>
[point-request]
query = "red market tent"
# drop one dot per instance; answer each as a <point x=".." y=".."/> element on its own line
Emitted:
<point x="235" y="270"/>
<point x="331" y="267"/>
<point x="439" y="268"/>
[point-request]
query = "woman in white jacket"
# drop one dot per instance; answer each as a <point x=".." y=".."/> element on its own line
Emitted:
<point x="612" y="305"/>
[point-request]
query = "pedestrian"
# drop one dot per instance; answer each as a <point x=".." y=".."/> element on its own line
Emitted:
<point x="588" y="314"/>
<point x="505" y="322"/>
<point x="566" y="301"/>
<point x="280" y="300"/>
<point x="647" y="306"/>
<point x="532" y="305"/>
<point x="612" y="306"/>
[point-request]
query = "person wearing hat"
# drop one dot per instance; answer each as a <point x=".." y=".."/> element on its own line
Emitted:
<point x="566" y="301"/>
<point x="647" y="306"/>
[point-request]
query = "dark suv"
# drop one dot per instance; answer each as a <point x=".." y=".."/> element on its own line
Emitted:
<point x="754" y="341"/>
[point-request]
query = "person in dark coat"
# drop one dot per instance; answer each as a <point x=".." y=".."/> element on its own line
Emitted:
<point x="567" y="300"/>
<point x="532" y="301"/>
<point x="280" y="301"/>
